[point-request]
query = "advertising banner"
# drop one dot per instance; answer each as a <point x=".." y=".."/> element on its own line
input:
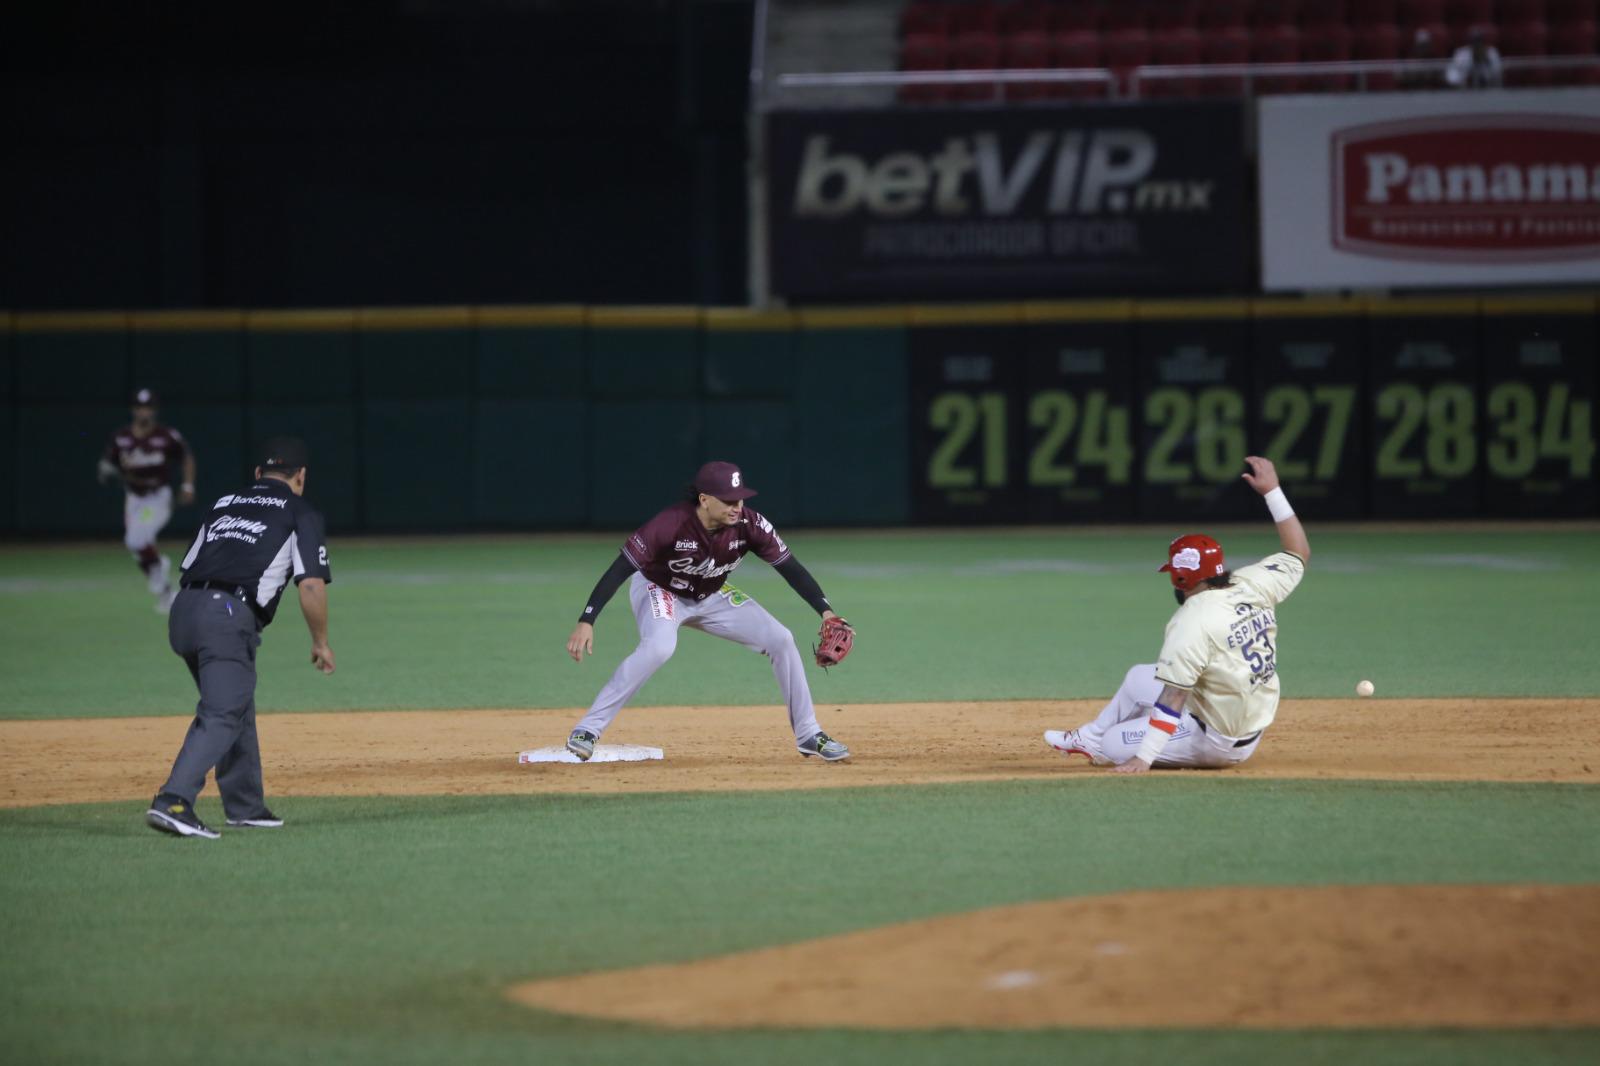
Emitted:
<point x="1430" y="189"/>
<point x="1040" y="202"/>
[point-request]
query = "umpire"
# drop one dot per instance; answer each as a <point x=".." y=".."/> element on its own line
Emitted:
<point x="248" y="548"/>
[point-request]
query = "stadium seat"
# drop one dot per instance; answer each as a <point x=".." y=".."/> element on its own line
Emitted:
<point x="1459" y="15"/>
<point x="974" y="50"/>
<point x="1365" y="14"/>
<point x="1124" y="16"/>
<point x="1174" y="15"/>
<point x="1074" y="16"/>
<point x="1566" y="12"/>
<point x="973" y="16"/>
<point x="1024" y="16"/>
<point x="1328" y="44"/>
<point x="1315" y="15"/>
<point x="1074" y="50"/>
<point x="1029" y="50"/>
<point x="1278" y="45"/>
<point x="1414" y="13"/>
<point x="924" y="51"/>
<point x="1524" y="39"/>
<point x="1224" y="14"/>
<point x="1225" y="46"/>
<point x="1124" y="50"/>
<point x="924" y="17"/>
<point x="1572" y="39"/>
<point x="1521" y="12"/>
<point x="1173" y="48"/>
<point x="1270" y="14"/>
<point x="1381" y="41"/>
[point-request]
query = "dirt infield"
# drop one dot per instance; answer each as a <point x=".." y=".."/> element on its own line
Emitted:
<point x="1262" y="958"/>
<point x="731" y="748"/>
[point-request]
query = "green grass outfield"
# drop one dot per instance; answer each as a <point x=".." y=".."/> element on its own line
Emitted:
<point x="384" y="930"/>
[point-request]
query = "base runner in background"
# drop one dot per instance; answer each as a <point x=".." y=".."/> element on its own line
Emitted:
<point x="676" y="566"/>
<point x="1214" y="689"/>
<point x="142" y="454"/>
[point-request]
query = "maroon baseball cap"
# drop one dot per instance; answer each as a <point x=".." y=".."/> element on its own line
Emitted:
<point x="722" y="480"/>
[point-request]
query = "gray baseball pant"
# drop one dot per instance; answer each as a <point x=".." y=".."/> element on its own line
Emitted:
<point x="659" y="612"/>
<point x="217" y="636"/>
<point x="1119" y="728"/>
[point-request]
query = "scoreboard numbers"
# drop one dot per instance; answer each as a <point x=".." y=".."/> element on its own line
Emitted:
<point x="960" y="417"/>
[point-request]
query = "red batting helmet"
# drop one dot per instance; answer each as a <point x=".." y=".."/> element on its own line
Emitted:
<point x="1193" y="558"/>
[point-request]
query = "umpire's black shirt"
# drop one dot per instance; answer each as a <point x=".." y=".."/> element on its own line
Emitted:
<point x="257" y="540"/>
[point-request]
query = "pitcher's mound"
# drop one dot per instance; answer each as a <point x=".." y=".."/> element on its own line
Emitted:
<point x="602" y="753"/>
<point x="1478" y="956"/>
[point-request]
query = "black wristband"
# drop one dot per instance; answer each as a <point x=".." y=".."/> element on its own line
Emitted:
<point x="610" y="581"/>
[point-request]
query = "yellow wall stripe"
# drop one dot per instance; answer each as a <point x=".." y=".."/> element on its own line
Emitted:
<point x="644" y="317"/>
<point x="185" y="321"/>
<point x="321" y="321"/>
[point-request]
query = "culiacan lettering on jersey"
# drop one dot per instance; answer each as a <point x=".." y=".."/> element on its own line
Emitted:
<point x="702" y="569"/>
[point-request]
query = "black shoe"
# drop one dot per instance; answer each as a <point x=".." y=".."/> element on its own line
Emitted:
<point x="169" y="814"/>
<point x="264" y="820"/>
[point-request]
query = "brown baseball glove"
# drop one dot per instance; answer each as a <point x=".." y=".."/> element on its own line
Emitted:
<point x="833" y="642"/>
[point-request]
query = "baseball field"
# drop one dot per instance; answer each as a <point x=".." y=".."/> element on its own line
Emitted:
<point x="1411" y="878"/>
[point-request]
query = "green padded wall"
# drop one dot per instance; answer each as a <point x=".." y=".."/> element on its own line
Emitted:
<point x="75" y="367"/>
<point x="8" y="466"/>
<point x="190" y="365"/>
<point x="644" y="364"/>
<point x="528" y="362"/>
<point x="416" y="364"/>
<point x="301" y="365"/>
<point x="526" y="468"/>
<point x="862" y="415"/>
<point x="759" y="436"/>
<point x="216" y="433"/>
<point x="416" y="455"/>
<point x="641" y="455"/>
<point x="55" y="474"/>
<point x="749" y="363"/>
<point x="332" y="436"/>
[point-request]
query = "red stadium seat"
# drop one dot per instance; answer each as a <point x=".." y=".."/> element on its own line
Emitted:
<point x="1125" y="49"/>
<point x="922" y="17"/>
<point x="1026" y="51"/>
<point x="973" y="16"/>
<point x="1073" y="16"/>
<point x="1226" y="46"/>
<point x="1174" y="15"/>
<point x="1421" y="12"/>
<point x="1566" y="12"/>
<point x="1328" y="44"/>
<point x="1280" y="45"/>
<point x="1076" y="50"/>
<point x="924" y="51"/>
<point x="1270" y="14"/>
<point x="1316" y="14"/>
<point x="1224" y="14"/>
<point x="1173" y="48"/>
<point x="1123" y="16"/>
<point x="1367" y="13"/>
<point x="1521" y="12"/>
<point x="974" y="50"/>
<point x="1024" y="16"/>
<point x="1461" y="14"/>
<point x="1525" y="39"/>
<point x="1572" y="39"/>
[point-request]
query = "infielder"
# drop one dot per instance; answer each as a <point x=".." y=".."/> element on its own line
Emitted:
<point x="142" y="454"/>
<point x="1214" y="689"/>
<point x="676" y="566"/>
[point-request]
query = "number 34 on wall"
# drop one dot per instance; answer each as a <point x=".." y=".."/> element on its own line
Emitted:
<point x="1524" y="431"/>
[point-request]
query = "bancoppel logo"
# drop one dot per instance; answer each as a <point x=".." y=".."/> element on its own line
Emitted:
<point x="1506" y="188"/>
<point x="1084" y="172"/>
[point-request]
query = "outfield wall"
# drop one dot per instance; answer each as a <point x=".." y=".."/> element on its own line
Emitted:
<point x="572" y="417"/>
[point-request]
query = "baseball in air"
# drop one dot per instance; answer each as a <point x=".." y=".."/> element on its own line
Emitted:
<point x="1363" y="688"/>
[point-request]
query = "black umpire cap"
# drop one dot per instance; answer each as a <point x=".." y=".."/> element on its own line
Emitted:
<point x="287" y="454"/>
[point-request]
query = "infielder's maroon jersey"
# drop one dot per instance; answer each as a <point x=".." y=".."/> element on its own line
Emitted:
<point x="145" y="462"/>
<point x="674" y="550"/>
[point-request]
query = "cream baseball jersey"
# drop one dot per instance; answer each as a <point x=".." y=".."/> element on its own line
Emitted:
<point x="1222" y="645"/>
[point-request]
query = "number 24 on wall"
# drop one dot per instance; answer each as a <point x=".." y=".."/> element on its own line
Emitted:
<point x="1101" y="430"/>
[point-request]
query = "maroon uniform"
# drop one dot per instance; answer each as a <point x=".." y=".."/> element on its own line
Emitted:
<point x="145" y="462"/>
<point x="676" y="552"/>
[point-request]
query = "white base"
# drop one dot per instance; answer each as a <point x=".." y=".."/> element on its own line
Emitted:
<point x="602" y="753"/>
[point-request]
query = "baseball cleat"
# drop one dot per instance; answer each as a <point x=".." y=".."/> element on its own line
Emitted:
<point x="581" y="744"/>
<point x="1068" y="742"/>
<point x="265" y="820"/>
<point x="178" y="818"/>
<point x="824" y="745"/>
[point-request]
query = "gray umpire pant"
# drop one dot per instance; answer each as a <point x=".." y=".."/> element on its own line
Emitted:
<point x="217" y="635"/>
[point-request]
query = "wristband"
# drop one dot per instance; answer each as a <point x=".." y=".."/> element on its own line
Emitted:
<point x="1278" y="504"/>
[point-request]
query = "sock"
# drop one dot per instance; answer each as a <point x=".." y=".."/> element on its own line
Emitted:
<point x="148" y="558"/>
